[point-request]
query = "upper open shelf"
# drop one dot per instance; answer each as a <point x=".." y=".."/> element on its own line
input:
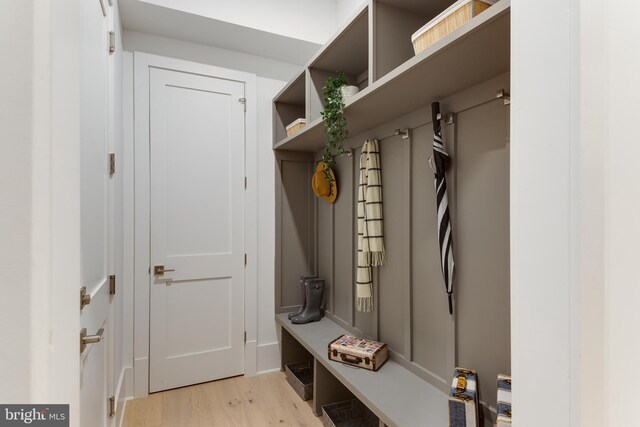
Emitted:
<point x="348" y="50"/>
<point x="473" y="53"/>
<point x="290" y="105"/>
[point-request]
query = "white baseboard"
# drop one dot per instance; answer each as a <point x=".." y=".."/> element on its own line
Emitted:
<point x="123" y="393"/>
<point x="269" y="371"/>
<point x="268" y="357"/>
<point x="124" y="408"/>
<point x="250" y="358"/>
<point x="141" y="377"/>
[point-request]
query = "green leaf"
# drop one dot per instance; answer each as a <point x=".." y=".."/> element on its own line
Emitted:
<point x="335" y="124"/>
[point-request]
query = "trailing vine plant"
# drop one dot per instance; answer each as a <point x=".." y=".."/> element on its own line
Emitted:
<point x="335" y="124"/>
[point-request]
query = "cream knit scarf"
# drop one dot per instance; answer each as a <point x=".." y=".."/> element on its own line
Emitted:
<point x="370" y="225"/>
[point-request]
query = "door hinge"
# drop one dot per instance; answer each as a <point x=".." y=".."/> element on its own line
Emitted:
<point x="244" y="102"/>
<point x="112" y="42"/>
<point x="245" y="182"/>
<point x="85" y="297"/>
<point x="245" y="337"/>
<point x="112" y="164"/>
<point x="112" y="406"/>
<point x="112" y="284"/>
<point x="245" y="259"/>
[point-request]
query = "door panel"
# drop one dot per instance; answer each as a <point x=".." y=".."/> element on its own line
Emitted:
<point x="197" y="295"/>
<point x="197" y="185"/>
<point x="94" y="210"/>
<point x="205" y="177"/>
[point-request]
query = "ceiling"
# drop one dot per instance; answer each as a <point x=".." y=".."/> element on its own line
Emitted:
<point x="145" y="17"/>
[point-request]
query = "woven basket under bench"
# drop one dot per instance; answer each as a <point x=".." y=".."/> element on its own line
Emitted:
<point x="300" y="377"/>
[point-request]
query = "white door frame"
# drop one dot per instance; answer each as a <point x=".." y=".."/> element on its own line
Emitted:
<point x="142" y="62"/>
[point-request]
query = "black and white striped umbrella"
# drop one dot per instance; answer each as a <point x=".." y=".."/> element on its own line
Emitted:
<point x="439" y="163"/>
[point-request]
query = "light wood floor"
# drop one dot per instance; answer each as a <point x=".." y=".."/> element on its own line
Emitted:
<point x="265" y="400"/>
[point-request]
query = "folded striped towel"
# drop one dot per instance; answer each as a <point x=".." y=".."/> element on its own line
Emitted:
<point x="370" y="224"/>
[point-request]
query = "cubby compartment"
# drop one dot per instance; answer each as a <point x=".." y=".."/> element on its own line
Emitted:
<point x="350" y="413"/>
<point x="348" y="52"/>
<point x="290" y="105"/>
<point x="395" y="21"/>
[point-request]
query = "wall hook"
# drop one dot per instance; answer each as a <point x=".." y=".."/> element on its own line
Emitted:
<point x="506" y="97"/>
<point x="403" y="132"/>
<point x="447" y="118"/>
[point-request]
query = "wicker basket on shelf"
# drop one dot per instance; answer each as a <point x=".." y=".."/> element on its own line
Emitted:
<point x="451" y="19"/>
<point x="296" y="126"/>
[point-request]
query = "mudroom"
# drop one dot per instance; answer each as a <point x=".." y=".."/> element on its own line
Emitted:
<point x="383" y="213"/>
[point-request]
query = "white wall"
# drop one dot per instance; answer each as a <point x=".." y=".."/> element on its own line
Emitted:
<point x="594" y="84"/>
<point x="610" y="201"/>
<point x="142" y="42"/>
<point x="545" y="155"/>
<point x="309" y="20"/>
<point x="575" y="227"/>
<point x="587" y="332"/>
<point x="345" y="9"/>
<point x="39" y="203"/>
<point x="621" y="153"/>
<point x="16" y="136"/>
<point x="268" y="350"/>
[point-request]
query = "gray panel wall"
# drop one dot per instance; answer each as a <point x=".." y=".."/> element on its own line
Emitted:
<point x="392" y="283"/>
<point x="482" y="201"/>
<point x="343" y="231"/>
<point x="432" y="332"/>
<point x="412" y="314"/>
<point x="295" y="239"/>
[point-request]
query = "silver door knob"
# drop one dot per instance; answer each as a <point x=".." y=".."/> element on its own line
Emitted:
<point x="89" y="339"/>
<point x="159" y="270"/>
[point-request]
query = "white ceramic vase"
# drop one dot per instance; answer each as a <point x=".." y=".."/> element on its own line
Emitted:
<point x="348" y="91"/>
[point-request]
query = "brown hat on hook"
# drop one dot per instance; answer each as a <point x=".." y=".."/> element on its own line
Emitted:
<point x="321" y="186"/>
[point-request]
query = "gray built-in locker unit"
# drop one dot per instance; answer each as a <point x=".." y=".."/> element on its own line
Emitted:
<point x="468" y="73"/>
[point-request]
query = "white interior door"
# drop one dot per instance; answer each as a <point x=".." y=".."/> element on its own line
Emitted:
<point x="197" y="222"/>
<point x="94" y="212"/>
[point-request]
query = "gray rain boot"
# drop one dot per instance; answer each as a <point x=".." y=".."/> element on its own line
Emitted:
<point x="314" y="289"/>
<point x="303" y="296"/>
